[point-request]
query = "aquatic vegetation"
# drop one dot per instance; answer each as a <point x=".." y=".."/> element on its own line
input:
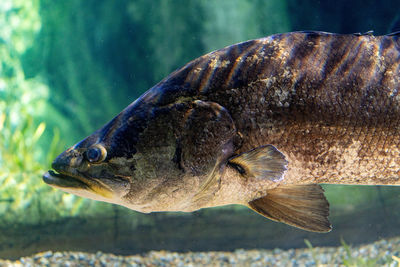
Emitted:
<point x="19" y="133"/>
<point x="24" y="107"/>
<point x="350" y="260"/>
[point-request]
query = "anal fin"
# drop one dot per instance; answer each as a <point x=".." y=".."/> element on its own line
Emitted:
<point x="302" y="206"/>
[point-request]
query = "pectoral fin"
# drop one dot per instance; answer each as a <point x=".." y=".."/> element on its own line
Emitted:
<point x="302" y="206"/>
<point x="264" y="162"/>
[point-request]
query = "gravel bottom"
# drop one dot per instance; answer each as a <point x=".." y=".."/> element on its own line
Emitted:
<point x="380" y="253"/>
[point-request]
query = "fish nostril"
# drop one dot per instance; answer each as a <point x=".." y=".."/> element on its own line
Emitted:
<point x="66" y="160"/>
<point x="75" y="161"/>
<point x="61" y="161"/>
<point x="56" y="165"/>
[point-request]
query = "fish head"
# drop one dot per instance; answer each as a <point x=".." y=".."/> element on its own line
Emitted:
<point x="144" y="152"/>
<point x="83" y="170"/>
<point x="103" y="166"/>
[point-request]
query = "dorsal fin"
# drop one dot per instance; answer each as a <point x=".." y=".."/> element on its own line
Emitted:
<point x="394" y="34"/>
<point x="369" y="33"/>
<point x="302" y="206"/>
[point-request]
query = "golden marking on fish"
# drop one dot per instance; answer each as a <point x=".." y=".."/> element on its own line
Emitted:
<point x="225" y="63"/>
<point x="212" y="66"/>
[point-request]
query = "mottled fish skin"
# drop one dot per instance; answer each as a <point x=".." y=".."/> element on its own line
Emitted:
<point x="329" y="102"/>
<point x="313" y="107"/>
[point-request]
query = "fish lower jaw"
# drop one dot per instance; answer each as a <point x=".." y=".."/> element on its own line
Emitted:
<point x="79" y="186"/>
<point x="60" y="180"/>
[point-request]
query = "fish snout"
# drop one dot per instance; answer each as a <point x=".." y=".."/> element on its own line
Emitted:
<point x="66" y="160"/>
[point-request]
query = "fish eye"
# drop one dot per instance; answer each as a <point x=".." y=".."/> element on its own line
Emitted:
<point x="96" y="153"/>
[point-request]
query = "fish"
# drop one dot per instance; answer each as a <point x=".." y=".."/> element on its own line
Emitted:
<point x="262" y="123"/>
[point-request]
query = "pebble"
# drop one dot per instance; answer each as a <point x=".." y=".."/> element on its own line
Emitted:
<point x="380" y="252"/>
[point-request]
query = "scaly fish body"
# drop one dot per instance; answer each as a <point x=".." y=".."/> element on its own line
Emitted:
<point x="258" y="123"/>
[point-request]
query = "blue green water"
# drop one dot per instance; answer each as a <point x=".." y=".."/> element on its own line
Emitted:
<point x="68" y="67"/>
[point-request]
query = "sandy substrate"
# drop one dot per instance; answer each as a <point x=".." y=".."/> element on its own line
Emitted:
<point x="380" y="253"/>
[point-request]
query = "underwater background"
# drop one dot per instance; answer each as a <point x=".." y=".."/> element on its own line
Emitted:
<point x="68" y="67"/>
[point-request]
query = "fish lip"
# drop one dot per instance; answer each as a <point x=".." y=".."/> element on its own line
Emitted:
<point x="59" y="179"/>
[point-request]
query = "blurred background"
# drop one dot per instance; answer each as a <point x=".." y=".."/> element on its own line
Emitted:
<point x="68" y="67"/>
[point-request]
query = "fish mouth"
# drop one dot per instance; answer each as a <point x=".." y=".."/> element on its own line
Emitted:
<point x="78" y="185"/>
<point x="57" y="179"/>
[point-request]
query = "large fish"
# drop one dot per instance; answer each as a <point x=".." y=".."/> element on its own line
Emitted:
<point x="260" y="123"/>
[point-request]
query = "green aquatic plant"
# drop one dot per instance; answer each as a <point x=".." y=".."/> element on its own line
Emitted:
<point x="350" y="260"/>
<point x="26" y="144"/>
<point x="313" y="252"/>
<point x="18" y="134"/>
